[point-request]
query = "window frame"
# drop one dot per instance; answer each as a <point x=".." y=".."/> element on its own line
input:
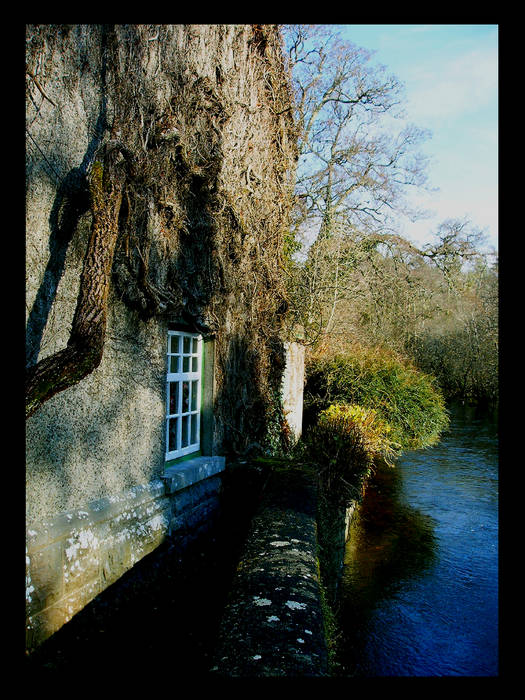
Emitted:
<point x="192" y="393"/>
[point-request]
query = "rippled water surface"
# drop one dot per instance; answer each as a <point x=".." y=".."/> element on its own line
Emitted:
<point x="419" y="594"/>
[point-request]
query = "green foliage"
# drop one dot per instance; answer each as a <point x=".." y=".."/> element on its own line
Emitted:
<point x="404" y="398"/>
<point x="375" y="433"/>
<point x="337" y="446"/>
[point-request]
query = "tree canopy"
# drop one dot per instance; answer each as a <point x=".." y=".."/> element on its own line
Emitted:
<point x="356" y="277"/>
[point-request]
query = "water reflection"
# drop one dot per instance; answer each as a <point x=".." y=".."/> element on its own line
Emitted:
<point x="420" y="582"/>
<point x="389" y="540"/>
<point x="389" y="543"/>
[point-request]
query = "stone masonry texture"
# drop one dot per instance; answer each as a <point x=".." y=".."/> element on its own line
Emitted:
<point x="273" y="622"/>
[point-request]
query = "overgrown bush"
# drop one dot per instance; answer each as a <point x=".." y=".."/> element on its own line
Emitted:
<point x="337" y="447"/>
<point x="404" y="398"/>
<point x="345" y="443"/>
<point x="342" y="448"/>
<point x="375" y="433"/>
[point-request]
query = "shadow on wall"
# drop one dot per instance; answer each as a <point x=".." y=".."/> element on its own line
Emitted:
<point x="105" y="436"/>
<point x="71" y="202"/>
<point x="241" y="410"/>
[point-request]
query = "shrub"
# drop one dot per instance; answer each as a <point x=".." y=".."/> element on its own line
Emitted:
<point x="403" y="398"/>
<point x="337" y="446"/>
<point x="375" y="433"/>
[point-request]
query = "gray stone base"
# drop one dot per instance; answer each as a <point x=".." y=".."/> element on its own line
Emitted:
<point x="73" y="557"/>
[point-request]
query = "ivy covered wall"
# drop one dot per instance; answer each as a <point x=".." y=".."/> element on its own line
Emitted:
<point x="202" y="114"/>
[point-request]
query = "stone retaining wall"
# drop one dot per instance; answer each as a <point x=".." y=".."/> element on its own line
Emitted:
<point x="76" y="555"/>
<point x="273" y="622"/>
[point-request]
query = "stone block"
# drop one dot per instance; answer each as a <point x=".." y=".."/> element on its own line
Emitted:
<point x="43" y="624"/>
<point x="182" y="501"/>
<point x="81" y="558"/>
<point x="192" y="471"/>
<point x="44" y="585"/>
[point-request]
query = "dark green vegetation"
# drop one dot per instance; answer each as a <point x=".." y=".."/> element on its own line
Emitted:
<point x="409" y="408"/>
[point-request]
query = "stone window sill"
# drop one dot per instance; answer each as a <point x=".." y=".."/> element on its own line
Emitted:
<point x="191" y="471"/>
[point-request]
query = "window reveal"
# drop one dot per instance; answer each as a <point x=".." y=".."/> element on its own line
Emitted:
<point x="183" y="394"/>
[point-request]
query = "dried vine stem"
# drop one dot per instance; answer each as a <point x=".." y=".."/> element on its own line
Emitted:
<point x="84" y="349"/>
<point x="28" y="72"/>
<point x="205" y="111"/>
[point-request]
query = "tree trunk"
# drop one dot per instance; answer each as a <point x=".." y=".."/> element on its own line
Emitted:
<point x="86" y="342"/>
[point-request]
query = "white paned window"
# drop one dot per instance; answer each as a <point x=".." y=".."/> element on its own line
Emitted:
<point x="183" y="396"/>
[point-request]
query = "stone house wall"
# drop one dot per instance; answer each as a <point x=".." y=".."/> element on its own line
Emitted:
<point x="99" y="495"/>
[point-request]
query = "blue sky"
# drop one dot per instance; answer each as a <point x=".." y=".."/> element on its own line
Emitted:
<point x="450" y="73"/>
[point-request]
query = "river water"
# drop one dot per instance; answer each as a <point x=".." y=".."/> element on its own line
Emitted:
<point x="419" y="594"/>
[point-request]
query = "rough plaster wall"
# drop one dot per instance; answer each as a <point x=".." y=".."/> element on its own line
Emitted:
<point x="60" y="137"/>
<point x="105" y="434"/>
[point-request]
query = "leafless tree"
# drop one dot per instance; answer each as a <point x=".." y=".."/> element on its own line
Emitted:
<point x="355" y="166"/>
<point x="358" y="161"/>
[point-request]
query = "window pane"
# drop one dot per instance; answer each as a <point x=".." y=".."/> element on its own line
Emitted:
<point x="193" y="437"/>
<point x="184" y="442"/>
<point x="172" y="434"/>
<point x="194" y="390"/>
<point x="174" y="397"/>
<point x="185" y="397"/>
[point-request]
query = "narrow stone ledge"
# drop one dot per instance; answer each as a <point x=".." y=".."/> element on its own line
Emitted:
<point x="93" y="514"/>
<point x="273" y="623"/>
<point x="187" y="473"/>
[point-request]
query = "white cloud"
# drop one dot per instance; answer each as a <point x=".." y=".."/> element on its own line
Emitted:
<point x="452" y="87"/>
<point x="459" y="197"/>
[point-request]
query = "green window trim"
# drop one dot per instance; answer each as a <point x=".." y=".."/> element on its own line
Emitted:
<point x="184" y="458"/>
